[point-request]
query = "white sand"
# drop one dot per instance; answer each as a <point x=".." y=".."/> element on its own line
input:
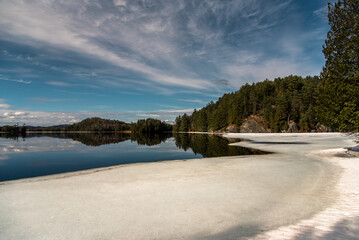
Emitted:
<point x="293" y="194"/>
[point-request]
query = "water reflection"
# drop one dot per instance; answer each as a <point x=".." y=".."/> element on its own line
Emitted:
<point x="204" y="144"/>
<point x="211" y="145"/>
<point x="44" y="154"/>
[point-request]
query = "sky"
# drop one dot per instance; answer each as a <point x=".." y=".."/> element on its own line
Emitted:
<point x="62" y="61"/>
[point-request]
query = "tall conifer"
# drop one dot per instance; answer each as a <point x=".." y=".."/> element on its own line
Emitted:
<point x="339" y="87"/>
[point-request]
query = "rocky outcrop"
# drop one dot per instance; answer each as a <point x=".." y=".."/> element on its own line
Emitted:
<point x="254" y="124"/>
<point x="292" y="127"/>
<point x="322" y="128"/>
<point x="233" y="128"/>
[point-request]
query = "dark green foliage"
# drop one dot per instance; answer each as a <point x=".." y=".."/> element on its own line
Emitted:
<point x="278" y="101"/>
<point x="98" y="125"/>
<point x="23" y="130"/>
<point x="185" y="124"/>
<point x="149" y="139"/>
<point x="339" y="88"/>
<point x="211" y="145"/>
<point x="10" y="129"/>
<point x="97" y="138"/>
<point x="150" y="125"/>
<point x="177" y="124"/>
<point x="14" y="131"/>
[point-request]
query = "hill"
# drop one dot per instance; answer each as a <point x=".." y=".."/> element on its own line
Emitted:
<point x="284" y="104"/>
<point x="98" y="124"/>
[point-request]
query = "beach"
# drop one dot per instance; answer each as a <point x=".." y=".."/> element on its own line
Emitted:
<point x="308" y="188"/>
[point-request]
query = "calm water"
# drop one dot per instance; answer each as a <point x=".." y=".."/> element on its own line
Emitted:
<point x="39" y="155"/>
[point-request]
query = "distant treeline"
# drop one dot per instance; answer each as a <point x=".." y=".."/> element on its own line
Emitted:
<point x="150" y="125"/>
<point x="289" y="98"/>
<point x="98" y="124"/>
<point x="14" y="130"/>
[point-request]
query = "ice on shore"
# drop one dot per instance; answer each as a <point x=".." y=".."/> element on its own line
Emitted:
<point x="213" y="198"/>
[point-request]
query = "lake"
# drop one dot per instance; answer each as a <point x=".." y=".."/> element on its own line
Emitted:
<point x="45" y="154"/>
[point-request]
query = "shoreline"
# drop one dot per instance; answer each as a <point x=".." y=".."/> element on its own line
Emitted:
<point x="339" y="221"/>
<point x="180" y="192"/>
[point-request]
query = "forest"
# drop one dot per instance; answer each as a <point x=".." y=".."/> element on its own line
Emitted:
<point x="289" y="98"/>
<point x="98" y="124"/>
<point x="150" y="125"/>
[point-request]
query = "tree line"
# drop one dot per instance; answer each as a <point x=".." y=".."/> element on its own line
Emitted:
<point x="15" y="130"/>
<point x="96" y="124"/>
<point x="150" y="125"/>
<point x="289" y="98"/>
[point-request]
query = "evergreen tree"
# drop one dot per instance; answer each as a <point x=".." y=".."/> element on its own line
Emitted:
<point x="339" y="87"/>
<point x="178" y="121"/>
<point x="290" y="98"/>
<point x="185" y="123"/>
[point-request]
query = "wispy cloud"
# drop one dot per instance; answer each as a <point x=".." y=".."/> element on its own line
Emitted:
<point x="41" y="99"/>
<point x="3" y="103"/>
<point x="168" y="43"/>
<point x="191" y="100"/>
<point x="3" y="78"/>
<point x="322" y="13"/>
<point x="59" y="84"/>
<point x="76" y="32"/>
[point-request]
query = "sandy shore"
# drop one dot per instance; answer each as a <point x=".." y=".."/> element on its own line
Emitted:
<point x="306" y="190"/>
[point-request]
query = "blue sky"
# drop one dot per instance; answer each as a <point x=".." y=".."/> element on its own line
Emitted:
<point x="63" y="61"/>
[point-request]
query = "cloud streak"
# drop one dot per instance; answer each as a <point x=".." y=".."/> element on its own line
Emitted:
<point x="44" y="100"/>
<point x="3" y="103"/>
<point x="168" y="43"/>
<point x="3" y="78"/>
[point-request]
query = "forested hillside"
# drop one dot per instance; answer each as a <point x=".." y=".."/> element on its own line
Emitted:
<point x="279" y="101"/>
<point x="98" y="124"/>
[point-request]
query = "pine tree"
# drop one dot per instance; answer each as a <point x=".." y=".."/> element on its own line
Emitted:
<point x="185" y="123"/>
<point x="339" y="87"/>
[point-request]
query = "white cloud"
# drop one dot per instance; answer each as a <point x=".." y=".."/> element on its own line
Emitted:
<point x="120" y="3"/>
<point x="3" y="78"/>
<point x="322" y="13"/>
<point x="40" y="99"/>
<point x="50" y="23"/>
<point x="19" y="113"/>
<point x="3" y="104"/>
<point x="59" y="84"/>
<point x="148" y="115"/>
<point x="161" y="45"/>
<point x="191" y="100"/>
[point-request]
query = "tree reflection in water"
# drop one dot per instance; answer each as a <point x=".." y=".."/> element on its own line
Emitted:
<point x="211" y="145"/>
<point x="208" y="145"/>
